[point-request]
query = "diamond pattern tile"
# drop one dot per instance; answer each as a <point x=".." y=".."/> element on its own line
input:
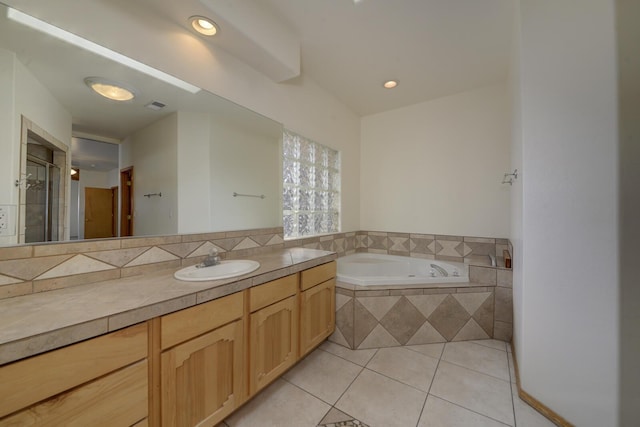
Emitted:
<point x="378" y="306"/>
<point x="246" y="243"/>
<point x="421" y="246"/>
<point x="378" y="337"/>
<point x="152" y="256"/>
<point x="344" y="321"/>
<point x="403" y="320"/>
<point x="426" y="303"/>
<point x="28" y="268"/>
<point x="471" y="331"/>
<point x="447" y="248"/>
<point x="364" y="323"/>
<point x="79" y="264"/>
<point x="6" y="280"/>
<point x="449" y="317"/>
<point x="399" y="244"/>
<point x="181" y="249"/>
<point x="472" y="301"/>
<point x="427" y="334"/>
<point x="378" y="242"/>
<point x="484" y="316"/>
<point x="463" y="249"/>
<point x="118" y="257"/>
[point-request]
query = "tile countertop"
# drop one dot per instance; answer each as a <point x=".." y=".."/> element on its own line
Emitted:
<point x="36" y="323"/>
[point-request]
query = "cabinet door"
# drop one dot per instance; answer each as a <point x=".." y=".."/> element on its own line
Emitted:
<point x="273" y="342"/>
<point x="202" y="378"/>
<point x="317" y="315"/>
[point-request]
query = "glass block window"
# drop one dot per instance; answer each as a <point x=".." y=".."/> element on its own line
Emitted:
<point x="311" y="188"/>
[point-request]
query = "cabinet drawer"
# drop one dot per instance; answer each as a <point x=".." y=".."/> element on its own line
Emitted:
<point x="117" y="399"/>
<point x="316" y="275"/>
<point x="189" y="323"/>
<point x="31" y="380"/>
<point x="271" y="292"/>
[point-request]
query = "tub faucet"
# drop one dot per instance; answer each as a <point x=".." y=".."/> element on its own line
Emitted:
<point x="212" y="259"/>
<point x="441" y="270"/>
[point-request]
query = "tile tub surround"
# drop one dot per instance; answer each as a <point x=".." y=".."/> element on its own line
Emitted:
<point x="36" y="323"/>
<point x="481" y="309"/>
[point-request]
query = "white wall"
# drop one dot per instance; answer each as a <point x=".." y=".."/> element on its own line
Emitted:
<point x="244" y="162"/>
<point x="154" y="153"/>
<point x="300" y="104"/>
<point x="9" y="135"/>
<point x="194" y="175"/>
<point x="23" y="95"/>
<point x="565" y="281"/>
<point x="628" y="38"/>
<point x="436" y="167"/>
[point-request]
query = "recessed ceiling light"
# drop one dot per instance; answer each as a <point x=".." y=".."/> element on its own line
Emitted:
<point x="110" y="89"/>
<point x="203" y="25"/>
<point x="390" y="84"/>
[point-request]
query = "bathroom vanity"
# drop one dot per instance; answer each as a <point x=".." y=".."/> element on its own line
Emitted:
<point x="185" y="367"/>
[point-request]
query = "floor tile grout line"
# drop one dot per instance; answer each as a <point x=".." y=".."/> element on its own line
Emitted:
<point x="419" y="352"/>
<point x="344" y="358"/>
<point x="479" y="372"/>
<point x="424" y="404"/>
<point x="350" y="384"/>
<point x="472" y="410"/>
<point x="485" y="346"/>
<point x="395" y="379"/>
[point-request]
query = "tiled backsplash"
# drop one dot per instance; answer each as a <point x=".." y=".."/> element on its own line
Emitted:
<point x="37" y="268"/>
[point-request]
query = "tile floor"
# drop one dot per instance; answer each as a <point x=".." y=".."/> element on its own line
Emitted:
<point x="470" y="383"/>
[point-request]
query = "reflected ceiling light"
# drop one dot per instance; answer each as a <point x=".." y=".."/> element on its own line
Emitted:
<point x="110" y="89"/>
<point x="37" y="24"/>
<point x="390" y="84"/>
<point x="203" y="25"/>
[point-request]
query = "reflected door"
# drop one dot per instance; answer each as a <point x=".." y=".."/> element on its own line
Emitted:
<point x="98" y="213"/>
<point x="42" y="201"/>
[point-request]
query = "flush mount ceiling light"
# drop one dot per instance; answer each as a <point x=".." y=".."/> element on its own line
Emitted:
<point x="37" y="24"/>
<point x="203" y="25"/>
<point x="110" y="89"/>
<point x="390" y="84"/>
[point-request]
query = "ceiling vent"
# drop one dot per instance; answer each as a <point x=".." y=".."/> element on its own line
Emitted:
<point x="155" y="105"/>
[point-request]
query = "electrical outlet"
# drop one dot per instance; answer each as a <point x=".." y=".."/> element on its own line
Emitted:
<point x="7" y="220"/>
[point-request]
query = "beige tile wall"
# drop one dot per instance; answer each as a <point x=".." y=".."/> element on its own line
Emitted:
<point x="38" y="268"/>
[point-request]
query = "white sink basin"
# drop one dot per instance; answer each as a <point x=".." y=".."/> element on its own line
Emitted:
<point x="224" y="270"/>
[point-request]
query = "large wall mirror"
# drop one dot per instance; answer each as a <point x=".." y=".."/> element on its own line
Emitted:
<point x="75" y="165"/>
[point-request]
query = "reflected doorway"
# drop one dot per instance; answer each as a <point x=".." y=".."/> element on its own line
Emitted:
<point x="99" y="207"/>
<point x="42" y="186"/>
<point x="126" y="212"/>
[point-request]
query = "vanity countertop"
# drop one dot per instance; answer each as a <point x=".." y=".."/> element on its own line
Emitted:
<point x="36" y="323"/>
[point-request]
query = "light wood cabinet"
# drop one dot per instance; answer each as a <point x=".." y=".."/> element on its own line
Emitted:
<point x="273" y="336"/>
<point x="202" y="376"/>
<point x="317" y="305"/>
<point x="193" y="367"/>
<point x="101" y="381"/>
<point x="317" y="315"/>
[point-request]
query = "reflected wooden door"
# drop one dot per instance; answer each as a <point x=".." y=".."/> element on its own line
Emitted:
<point x="98" y="213"/>
<point x="126" y="196"/>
